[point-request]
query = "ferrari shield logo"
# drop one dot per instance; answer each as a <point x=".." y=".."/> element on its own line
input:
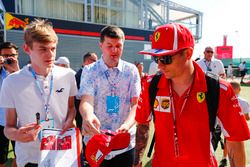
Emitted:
<point x="157" y="36"/>
<point x="200" y="96"/>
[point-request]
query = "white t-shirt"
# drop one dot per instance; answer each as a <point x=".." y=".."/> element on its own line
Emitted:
<point x="242" y="66"/>
<point x="19" y="91"/>
<point x="244" y="105"/>
<point x="215" y="66"/>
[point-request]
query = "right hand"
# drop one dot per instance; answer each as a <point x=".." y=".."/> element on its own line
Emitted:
<point x="13" y="67"/>
<point x="28" y="132"/>
<point x="90" y="125"/>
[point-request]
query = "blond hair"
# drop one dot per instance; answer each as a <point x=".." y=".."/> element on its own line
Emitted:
<point x="235" y="84"/>
<point x="39" y="31"/>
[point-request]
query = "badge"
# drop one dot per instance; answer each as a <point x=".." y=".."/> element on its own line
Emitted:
<point x="112" y="104"/>
<point x="200" y="96"/>
<point x="47" y="123"/>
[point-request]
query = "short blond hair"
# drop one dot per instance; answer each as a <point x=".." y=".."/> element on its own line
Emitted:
<point x="39" y="31"/>
<point x="235" y="84"/>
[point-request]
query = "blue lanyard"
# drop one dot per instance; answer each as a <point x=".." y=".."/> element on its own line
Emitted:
<point x="113" y="85"/>
<point x="46" y="103"/>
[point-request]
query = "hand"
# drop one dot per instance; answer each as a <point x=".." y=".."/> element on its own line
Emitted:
<point x="91" y="125"/>
<point x="28" y="132"/>
<point x="13" y="67"/>
<point x="124" y="128"/>
<point x="68" y="124"/>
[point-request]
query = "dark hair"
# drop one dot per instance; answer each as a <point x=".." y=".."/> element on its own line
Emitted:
<point x="138" y="63"/>
<point x="111" y="32"/>
<point x="8" y="45"/>
<point x="87" y="55"/>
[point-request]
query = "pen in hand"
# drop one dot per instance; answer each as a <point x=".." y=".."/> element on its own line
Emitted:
<point x="38" y="118"/>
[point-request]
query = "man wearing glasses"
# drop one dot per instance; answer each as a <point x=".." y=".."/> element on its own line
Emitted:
<point x="208" y="63"/>
<point x="181" y="121"/>
<point x="8" y="64"/>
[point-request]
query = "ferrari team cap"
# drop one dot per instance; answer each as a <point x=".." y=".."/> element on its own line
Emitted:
<point x="169" y="39"/>
<point x="102" y="144"/>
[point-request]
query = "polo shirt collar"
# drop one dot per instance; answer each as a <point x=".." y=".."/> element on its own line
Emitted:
<point x="104" y="67"/>
<point x="199" y="83"/>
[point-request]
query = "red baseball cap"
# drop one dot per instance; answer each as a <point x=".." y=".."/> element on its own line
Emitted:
<point x="170" y="38"/>
<point x="102" y="144"/>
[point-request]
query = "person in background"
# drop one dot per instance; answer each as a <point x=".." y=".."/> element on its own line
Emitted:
<point x="245" y="107"/>
<point x="182" y="131"/>
<point x="63" y="62"/>
<point x="153" y="68"/>
<point x="8" y="65"/>
<point x="209" y="63"/>
<point x="243" y="71"/>
<point x="110" y="89"/>
<point x="88" y="58"/>
<point x="140" y="67"/>
<point x="40" y="87"/>
<point x="230" y="71"/>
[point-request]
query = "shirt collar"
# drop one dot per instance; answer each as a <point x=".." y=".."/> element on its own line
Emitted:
<point x="199" y="84"/>
<point x="105" y="67"/>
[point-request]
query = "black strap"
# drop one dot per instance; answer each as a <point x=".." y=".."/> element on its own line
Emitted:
<point x="153" y="89"/>
<point x="212" y="97"/>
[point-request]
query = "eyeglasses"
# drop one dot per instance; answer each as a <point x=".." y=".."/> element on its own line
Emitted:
<point x="208" y="51"/>
<point x="9" y="55"/>
<point x="164" y="59"/>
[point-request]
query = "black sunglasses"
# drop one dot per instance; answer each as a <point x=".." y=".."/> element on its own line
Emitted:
<point x="163" y="59"/>
<point x="208" y="51"/>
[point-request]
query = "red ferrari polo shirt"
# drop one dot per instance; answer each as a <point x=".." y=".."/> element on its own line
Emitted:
<point x="193" y="147"/>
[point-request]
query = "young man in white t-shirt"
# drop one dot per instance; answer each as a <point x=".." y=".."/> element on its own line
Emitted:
<point x="40" y="87"/>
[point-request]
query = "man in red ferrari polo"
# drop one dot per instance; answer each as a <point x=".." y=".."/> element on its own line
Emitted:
<point x="182" y="134"/>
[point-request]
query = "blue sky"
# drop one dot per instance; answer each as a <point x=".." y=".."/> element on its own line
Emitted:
<point x="223" y="17"/>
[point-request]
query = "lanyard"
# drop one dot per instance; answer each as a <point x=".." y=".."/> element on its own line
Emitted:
<point x="113" y="85"/>
<point x="45" y="102"/>
<point x="208" y="65"/>
<point x="176" y="143"/>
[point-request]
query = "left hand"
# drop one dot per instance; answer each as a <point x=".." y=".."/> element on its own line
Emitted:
<point x="68" y="124"/>
<point x="124" y="128"/>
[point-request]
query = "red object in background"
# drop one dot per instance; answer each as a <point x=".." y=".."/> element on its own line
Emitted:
<point x="224" y="52"/>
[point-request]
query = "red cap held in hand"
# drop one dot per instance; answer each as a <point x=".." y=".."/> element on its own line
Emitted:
<point x="102" y="144"/>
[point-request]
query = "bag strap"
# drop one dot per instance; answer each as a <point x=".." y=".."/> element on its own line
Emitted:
<point x="153" y="89"/>
<point x="212" y="97"/>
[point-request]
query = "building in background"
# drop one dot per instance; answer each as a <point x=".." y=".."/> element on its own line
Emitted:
<point x="78" y="23"/>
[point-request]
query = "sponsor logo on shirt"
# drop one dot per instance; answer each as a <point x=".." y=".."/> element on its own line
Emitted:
<point x="162" y="104"/>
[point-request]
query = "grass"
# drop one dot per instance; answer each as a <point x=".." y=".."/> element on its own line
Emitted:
<point x="245" y="93"/>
